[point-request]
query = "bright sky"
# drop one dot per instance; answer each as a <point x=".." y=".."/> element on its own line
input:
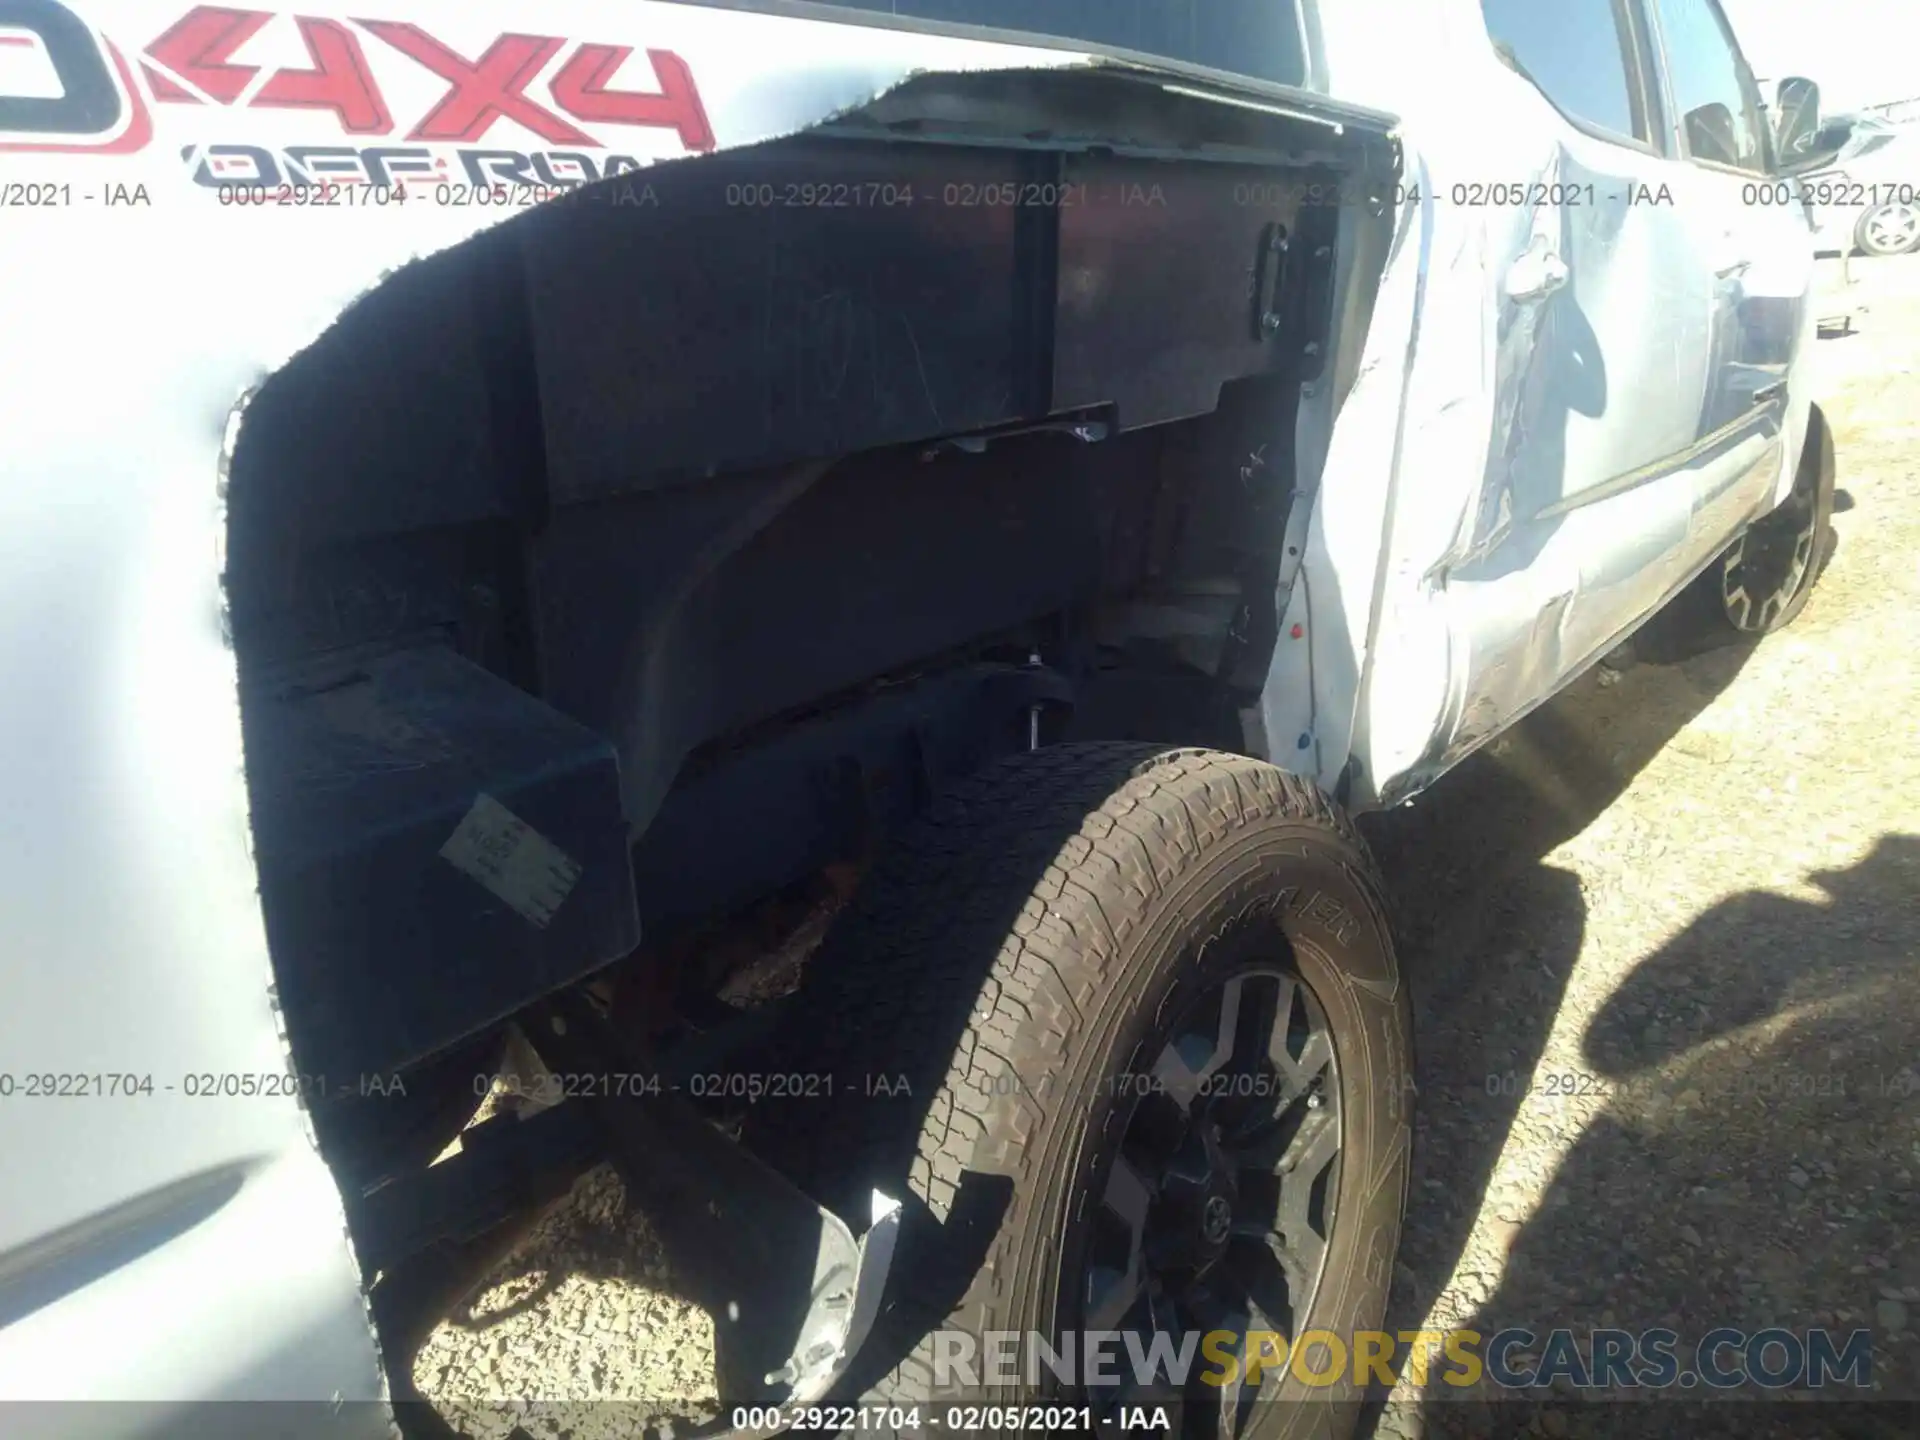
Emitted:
<point x="1861" y="52"/>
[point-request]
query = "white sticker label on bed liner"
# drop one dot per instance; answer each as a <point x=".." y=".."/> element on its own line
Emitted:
<point x="512" y="859"/>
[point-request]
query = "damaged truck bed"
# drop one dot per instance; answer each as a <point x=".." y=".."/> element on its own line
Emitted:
<point x="727" y="512"/>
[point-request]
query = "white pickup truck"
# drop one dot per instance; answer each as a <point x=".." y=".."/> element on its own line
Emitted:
<point x="509" y="509"/>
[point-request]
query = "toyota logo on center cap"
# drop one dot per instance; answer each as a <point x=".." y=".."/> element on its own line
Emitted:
<point x="1216" y="1220"/>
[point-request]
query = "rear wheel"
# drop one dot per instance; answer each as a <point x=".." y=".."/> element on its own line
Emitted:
<point x="1124" y="1029"/>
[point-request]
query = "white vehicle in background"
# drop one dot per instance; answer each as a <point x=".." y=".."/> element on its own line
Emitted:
<point x="1868" y="197"/>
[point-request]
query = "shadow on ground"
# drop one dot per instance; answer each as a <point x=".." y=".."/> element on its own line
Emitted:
<point x="1490" y="935"/>
<point x="1713" y="1192"/>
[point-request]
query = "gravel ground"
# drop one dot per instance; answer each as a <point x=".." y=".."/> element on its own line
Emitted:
<point x="1663" y="941"/>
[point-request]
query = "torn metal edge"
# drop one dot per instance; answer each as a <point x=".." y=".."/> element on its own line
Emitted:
<point x="383" y="1393"/>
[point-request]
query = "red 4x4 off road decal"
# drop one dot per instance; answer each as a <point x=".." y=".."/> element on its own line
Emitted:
<point x="84" y="98"/>
<point x="194" y="62"/>
<point x="489" y="87"/>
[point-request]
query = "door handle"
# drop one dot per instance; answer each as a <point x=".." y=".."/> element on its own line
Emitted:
<point x="1767" y="394"/>
<point x="1733" y="271"/>
<point x="1536" y="274"/>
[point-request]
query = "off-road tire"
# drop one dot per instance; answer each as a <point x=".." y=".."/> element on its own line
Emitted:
<point x="1005" y="961"/>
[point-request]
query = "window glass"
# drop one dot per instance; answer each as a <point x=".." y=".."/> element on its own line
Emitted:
<point x="1573" y="52"/>
<point x="1257" y="38"/>
<point x="1719" y="109"/>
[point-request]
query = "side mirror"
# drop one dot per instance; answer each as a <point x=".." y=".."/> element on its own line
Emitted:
<point x="1796" y="122"/>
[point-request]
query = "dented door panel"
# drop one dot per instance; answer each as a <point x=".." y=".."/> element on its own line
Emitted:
<point x="1547" y="501"/>
<point x="1585" y="506"/>
<point x="1759" y="243"/>
<point x="1762" y="273"/>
